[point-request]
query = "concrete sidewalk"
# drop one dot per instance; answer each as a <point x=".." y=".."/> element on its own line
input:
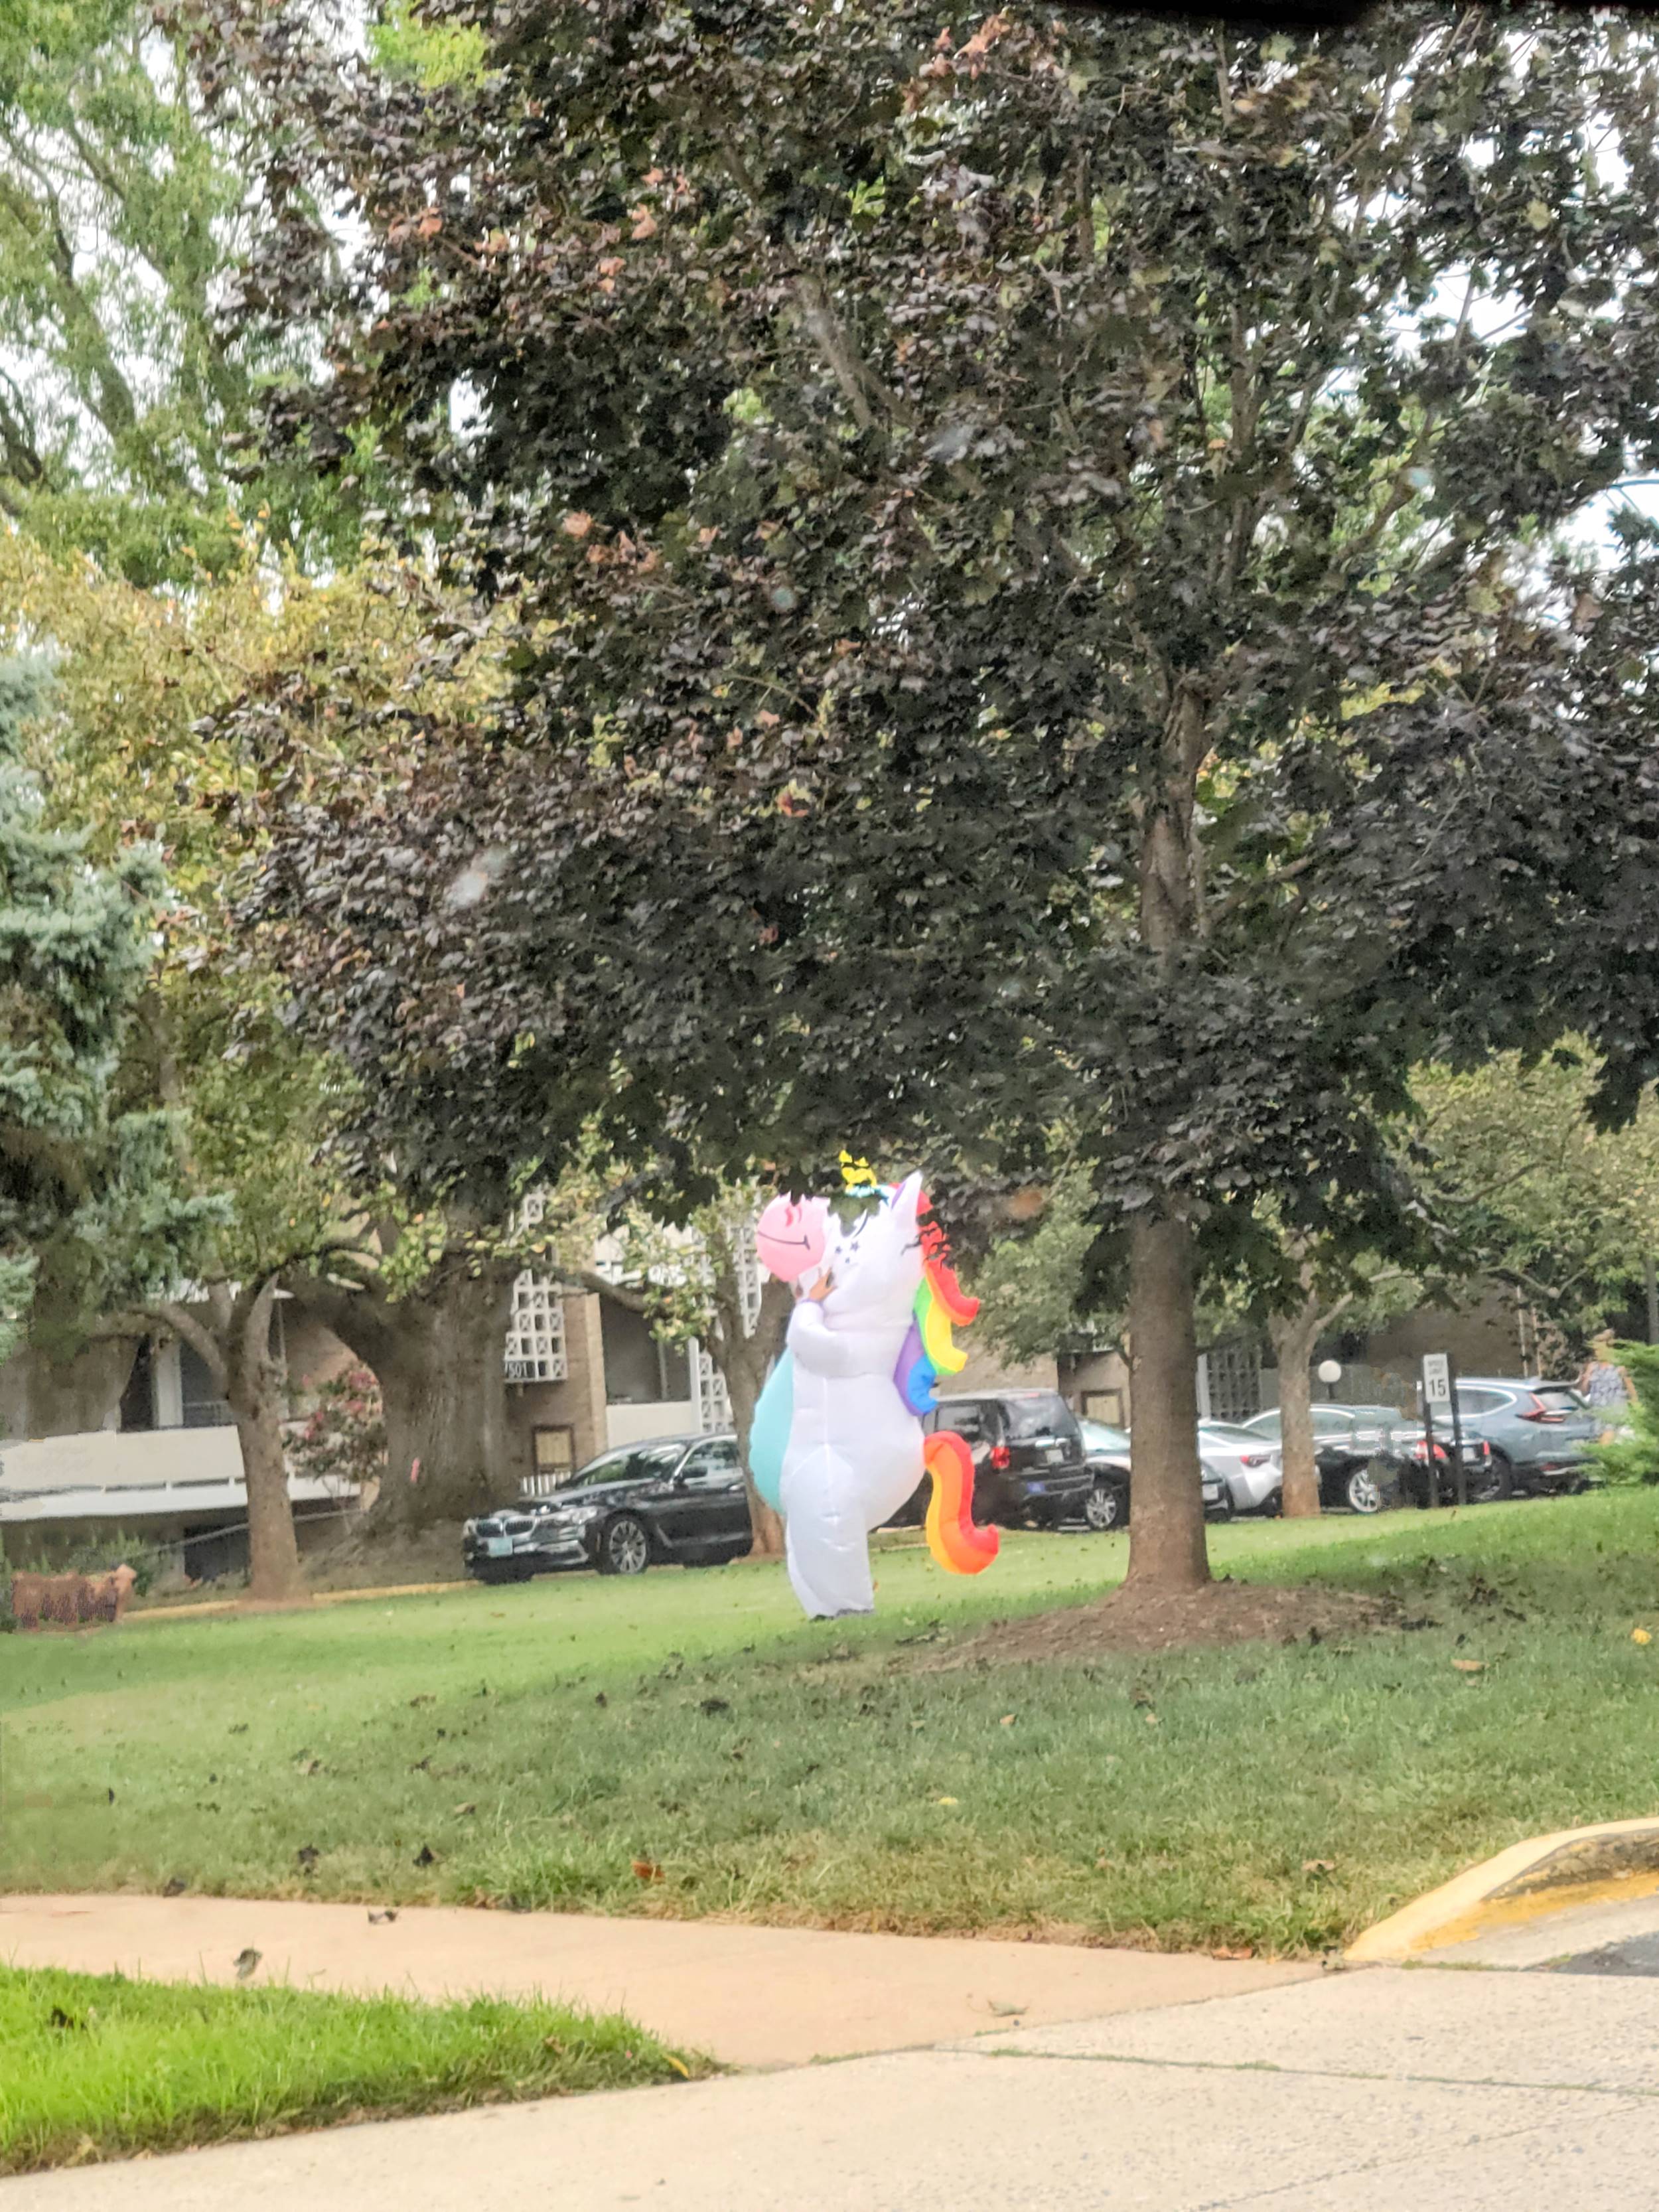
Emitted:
<point x="750" y="1997"/>
<point x="1383" y="2090"/>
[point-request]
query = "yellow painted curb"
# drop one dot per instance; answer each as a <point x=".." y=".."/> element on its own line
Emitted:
<point x="209" y="1606"/>
<point x="1544" y="1874"/>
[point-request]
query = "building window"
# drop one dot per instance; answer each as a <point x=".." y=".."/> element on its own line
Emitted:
<point x="138" y="1399"/>
<point x="553" y="1454"/>
<point x="203" y="1408"/>
<point x="1105" y="1405"/>
<point x="1235" y="1379"/>
<point x="640" y="1369"/>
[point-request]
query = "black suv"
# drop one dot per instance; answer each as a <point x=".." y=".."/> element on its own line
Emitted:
<point x="675" y="1498"/>
<point x="1029" y="1467"/>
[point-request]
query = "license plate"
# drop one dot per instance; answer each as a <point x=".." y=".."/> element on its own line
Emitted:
<point x="498" y="1547"/>
<point x="1055" y="1456"/>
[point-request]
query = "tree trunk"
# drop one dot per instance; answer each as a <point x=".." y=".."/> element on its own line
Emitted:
<point x="439" y="1355"/>
<point x="1294" y="1336"/>
<point x="1167" y="1548"/>
<point x="70" y="1390"/>
<point x="273" y="1551"/>
<point x="744" y="1367"/>
<point x="253" y="1383"/>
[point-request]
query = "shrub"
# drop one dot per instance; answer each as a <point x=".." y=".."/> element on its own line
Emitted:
<point x="1632" y="1454"/>
<point x="343" y="1439"/>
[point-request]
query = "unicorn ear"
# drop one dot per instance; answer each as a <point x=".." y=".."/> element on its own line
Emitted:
<point x="908" y="1200"/>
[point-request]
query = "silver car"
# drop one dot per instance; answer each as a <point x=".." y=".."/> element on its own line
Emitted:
<point x="1252" y="1467"/>
<point x="1107" y="1506"/>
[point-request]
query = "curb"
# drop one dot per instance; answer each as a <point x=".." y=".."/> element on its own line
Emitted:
<point x="219" y="1606"/>
<point x="1544" y="1874"/>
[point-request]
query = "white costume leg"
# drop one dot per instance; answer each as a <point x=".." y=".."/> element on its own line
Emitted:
<point x="826" y="1546"/>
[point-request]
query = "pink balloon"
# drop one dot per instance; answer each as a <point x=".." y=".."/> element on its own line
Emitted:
<point x="792" y="1235"/>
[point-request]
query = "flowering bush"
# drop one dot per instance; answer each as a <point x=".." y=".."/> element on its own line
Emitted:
<point x="344" y="1439"/>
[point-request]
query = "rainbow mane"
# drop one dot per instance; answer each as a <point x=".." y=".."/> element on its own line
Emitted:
<point x="930" y="1349"/>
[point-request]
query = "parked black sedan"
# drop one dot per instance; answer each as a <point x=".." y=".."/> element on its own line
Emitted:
<point x="674" y="1499"/>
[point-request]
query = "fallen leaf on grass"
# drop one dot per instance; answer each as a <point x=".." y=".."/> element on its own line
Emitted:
<point x="647" y="1870"/>
<point x="174" y="1886"/>
<point x="462" y="1810"/>
<point x="306" y="1857"/>
<point x="1151" y="1720"/>
<point x="1007" y="1721"/>
<point x="426" y="1856"/>
<point x="1238" y="1951"/>
<point x="947" y="1801"/>
<point x="1319" y="1866"/>
<point x="680" y="2066"/>
<point x="1102" y="1863"/>
<point x="1470" y="1666"/>
<point x="1637" y="1636"/>
<point x="713" y="1706"/>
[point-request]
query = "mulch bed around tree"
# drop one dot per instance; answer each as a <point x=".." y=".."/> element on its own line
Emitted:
<point x="1129" y="1620"/>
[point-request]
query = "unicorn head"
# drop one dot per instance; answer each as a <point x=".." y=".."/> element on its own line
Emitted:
<point x="875" y="1265"/>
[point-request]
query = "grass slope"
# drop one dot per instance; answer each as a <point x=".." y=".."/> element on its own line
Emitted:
<point x="537" y="1741"/>
<point x="96" y="2067"/>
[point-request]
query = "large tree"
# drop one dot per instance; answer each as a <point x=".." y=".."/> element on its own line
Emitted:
<point x="257" y="1107"/>
<point x="1032" y="538"/>
<point x="123" y="391"/>
<point x="87" y="1193"/>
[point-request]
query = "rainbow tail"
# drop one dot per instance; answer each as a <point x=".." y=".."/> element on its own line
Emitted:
<point x="959" y="1545"/>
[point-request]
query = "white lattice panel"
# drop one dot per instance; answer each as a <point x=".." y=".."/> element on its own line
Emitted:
<point x="710" y="1403"/>
<point x="535" y="1333"/>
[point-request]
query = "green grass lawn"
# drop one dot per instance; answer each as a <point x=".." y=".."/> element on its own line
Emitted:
<point x="525" y="1747"/>
<point x="96" y="2067"/>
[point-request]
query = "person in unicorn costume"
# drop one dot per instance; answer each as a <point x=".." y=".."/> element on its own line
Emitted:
<point x="837" y="1445"/>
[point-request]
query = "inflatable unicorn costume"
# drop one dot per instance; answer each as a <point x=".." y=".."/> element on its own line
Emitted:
<point x="837" y="1445"/>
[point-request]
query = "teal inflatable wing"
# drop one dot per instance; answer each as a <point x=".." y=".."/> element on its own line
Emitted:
<point x="768" y="1432"/>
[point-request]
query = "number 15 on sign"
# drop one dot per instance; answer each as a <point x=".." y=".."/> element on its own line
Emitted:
<point x="1436" y="1378"/>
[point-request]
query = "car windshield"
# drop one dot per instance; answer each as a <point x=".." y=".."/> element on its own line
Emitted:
<point x="1046" y="1416"/>
<point x="638" y="1463"/>
<point x="1099" y="1437"/>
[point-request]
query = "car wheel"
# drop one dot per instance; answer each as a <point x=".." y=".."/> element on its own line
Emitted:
<point x="1495" y="1485"/>
<point x="1105" y="1508"/>
<point x="1226" y="1509"/>
<point x="1362" y="1493"/>
<point x="625" y="1546"/>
